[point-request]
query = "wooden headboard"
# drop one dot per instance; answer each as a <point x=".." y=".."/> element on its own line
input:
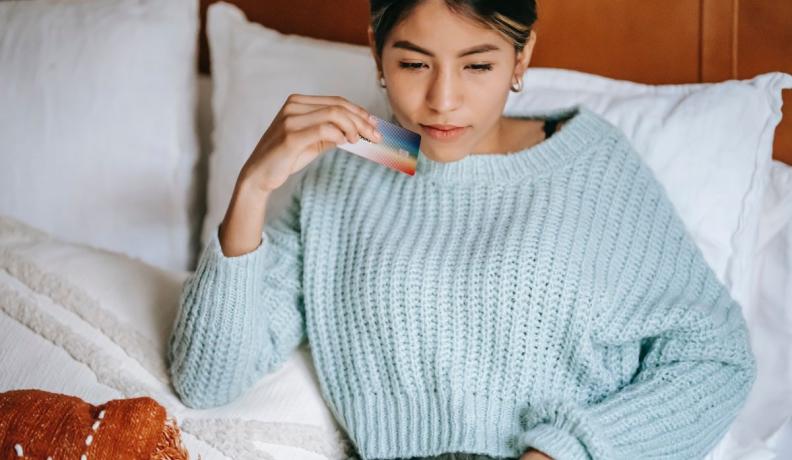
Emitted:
<point x="674" y="41"/>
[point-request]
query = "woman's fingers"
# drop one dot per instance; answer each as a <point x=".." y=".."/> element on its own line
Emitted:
<point x="350" y="123"/>
<point x="330" y="100"/>
<point x="316" y="138"/>
<point x="300" y="104"/>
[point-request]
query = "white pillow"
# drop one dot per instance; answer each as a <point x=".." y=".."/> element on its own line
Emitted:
<point x="769" y="407"/>
<point x="95" y="324"/>
<point x="97" y="108"/>
<point x="709" y="144"/>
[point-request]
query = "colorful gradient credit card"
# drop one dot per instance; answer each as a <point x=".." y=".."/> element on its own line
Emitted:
<point x="398" y="148"/>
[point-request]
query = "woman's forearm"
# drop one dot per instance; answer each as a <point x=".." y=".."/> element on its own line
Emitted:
<point x="240" y="231"/>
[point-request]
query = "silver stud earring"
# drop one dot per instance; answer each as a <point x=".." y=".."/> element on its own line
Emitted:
<point x="382" y="82"/>
<point x="519" y="86"/>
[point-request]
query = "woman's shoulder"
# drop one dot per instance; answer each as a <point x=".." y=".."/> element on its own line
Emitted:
<point x="618" y="158"/>
<point x="611" y="135"/>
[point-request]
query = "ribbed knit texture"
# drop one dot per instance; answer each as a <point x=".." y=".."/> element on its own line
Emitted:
<point x="549" y="298"/>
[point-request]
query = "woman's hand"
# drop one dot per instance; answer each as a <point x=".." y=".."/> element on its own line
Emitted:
<point x="533" y="454"/>
<point x="303" y="128"/>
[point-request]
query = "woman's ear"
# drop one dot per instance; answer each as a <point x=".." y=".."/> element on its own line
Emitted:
<point x="524" y="56"/>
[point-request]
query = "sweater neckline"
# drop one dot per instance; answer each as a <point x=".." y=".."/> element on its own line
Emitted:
<point x="581" y="128"/>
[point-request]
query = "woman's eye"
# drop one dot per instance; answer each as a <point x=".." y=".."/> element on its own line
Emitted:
<point x="481" y="67"/>
<point x="410" y="65"/>
<point x="417" y="65"/>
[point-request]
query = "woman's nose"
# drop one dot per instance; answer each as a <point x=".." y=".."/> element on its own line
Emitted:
<point x="444" y="94"/>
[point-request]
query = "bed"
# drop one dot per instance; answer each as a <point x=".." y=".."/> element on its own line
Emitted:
<point x="103" y="215"/>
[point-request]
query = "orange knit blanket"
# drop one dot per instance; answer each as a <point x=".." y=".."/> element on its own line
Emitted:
<point x="36" y="424"/>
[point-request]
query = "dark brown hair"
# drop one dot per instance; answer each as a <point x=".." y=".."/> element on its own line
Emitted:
<point x="513" y="19"/>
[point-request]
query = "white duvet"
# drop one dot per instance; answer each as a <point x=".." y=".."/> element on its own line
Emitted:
<point x="94" y="324"/>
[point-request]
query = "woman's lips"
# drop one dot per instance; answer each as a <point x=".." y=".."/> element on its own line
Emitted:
<point x="444" y="134"/>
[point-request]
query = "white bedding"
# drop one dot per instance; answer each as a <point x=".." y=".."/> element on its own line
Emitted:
<point x="94" y="324"/>
<point x="97" y="111"/>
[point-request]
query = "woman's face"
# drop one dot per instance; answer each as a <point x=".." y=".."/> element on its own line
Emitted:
<point x="438" y="73"/>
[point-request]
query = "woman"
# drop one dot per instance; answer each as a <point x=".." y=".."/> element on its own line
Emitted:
<point x="529" y="293"/>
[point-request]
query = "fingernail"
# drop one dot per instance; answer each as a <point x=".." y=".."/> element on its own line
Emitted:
<point x="373" y="119"/>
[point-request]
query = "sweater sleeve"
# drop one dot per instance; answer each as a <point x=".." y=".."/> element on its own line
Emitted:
<point x="696" y="365"/>
<point x="239" y="317"/>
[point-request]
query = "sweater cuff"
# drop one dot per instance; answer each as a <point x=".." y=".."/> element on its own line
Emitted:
<point x="217" y="255"/>
<point x="553" y="441"/>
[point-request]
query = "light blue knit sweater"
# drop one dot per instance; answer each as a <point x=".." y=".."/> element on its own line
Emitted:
<point x="549" y="298"/>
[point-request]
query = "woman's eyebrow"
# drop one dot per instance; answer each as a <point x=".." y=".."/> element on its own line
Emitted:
<point x="408" y="45"/>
